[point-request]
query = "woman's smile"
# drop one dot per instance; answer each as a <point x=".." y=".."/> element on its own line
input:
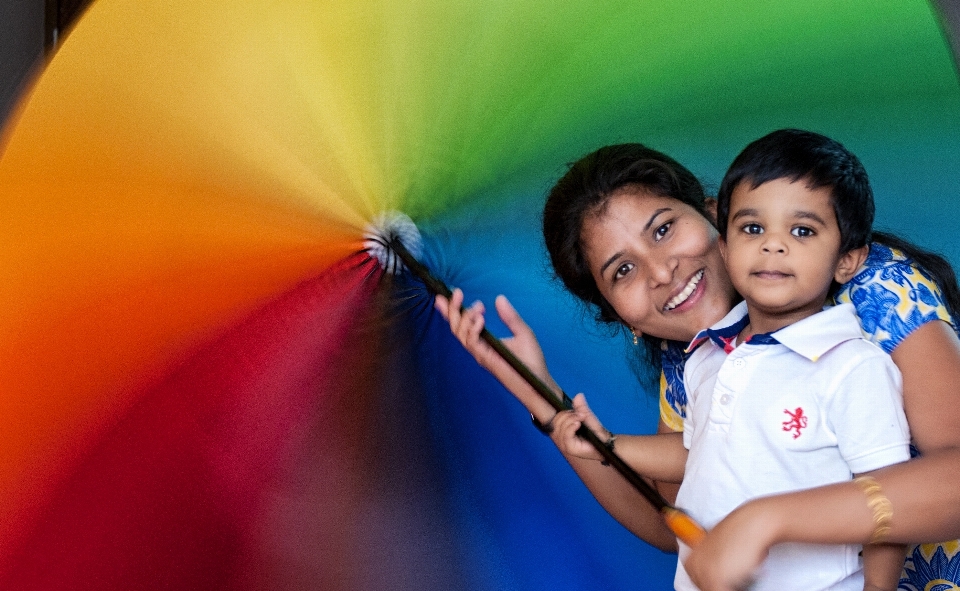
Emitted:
<point x="684" y="297"/>
<point x="656" y="261"/>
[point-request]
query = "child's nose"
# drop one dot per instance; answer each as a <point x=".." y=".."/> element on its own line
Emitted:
<point x="774" y="244"/>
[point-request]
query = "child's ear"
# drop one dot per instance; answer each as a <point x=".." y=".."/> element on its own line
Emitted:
<point x="710" y="206"/>
<point x="722" y="245"/>
<point x="849" y="262"/>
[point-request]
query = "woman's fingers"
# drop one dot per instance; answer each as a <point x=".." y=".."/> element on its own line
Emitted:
<point x="729" y="555"/>
<point x="510" y="317"/>
<point x="465" y="324"/>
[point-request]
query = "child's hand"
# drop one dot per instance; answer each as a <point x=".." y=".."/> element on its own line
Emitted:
<point x="566" y="424"/>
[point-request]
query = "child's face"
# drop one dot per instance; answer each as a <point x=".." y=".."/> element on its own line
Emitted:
<point x="782" y="248"/>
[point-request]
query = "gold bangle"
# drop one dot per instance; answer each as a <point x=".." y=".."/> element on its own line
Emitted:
<point x="879" y="504"/>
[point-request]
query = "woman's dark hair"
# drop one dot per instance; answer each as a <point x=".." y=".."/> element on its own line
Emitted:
<point x="585" y="189"/>
<point x="823" y="162"/>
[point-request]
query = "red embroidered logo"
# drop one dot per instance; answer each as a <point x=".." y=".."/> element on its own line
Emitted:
<point x="796" y="422"/>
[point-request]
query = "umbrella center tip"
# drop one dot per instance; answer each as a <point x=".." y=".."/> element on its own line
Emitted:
<point x="386" y="228"/>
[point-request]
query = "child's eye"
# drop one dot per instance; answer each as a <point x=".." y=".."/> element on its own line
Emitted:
<point x="802" y="231"/>
<point x="622" y="270"/>
<point x="662" y="231"/>
<point x="753" y="229"/>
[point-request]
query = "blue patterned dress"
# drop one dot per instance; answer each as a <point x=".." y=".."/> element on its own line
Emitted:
<point x="893" y="297"/>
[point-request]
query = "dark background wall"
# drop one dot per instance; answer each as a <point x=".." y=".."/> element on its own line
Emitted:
<point x="29" y="29"/>
<point x="950" y="18"/>
<point x="22" y="32"/>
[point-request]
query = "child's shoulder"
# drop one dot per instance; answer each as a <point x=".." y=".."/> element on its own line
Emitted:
<point x="855" y="357"/>
<point x="833" y="340"/>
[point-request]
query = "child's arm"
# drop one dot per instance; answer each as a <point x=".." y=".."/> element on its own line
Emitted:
<point x="660" y="457"/>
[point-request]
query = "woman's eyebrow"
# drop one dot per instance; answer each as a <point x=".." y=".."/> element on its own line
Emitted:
<point x="654" y="217"/>
<point x="646" y="227"/>
<point x="610" y="261"/>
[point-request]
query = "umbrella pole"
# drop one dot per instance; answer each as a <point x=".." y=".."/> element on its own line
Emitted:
<point x="681" y="524"/>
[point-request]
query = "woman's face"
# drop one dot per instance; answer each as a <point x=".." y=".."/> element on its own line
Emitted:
<point x="656" y="260"/>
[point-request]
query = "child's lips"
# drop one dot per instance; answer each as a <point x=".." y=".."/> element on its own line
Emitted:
<point x="771" y="274"/>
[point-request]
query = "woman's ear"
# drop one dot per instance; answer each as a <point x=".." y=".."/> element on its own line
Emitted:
<point x="710" y="206"/>
<point x="849" y="262"/>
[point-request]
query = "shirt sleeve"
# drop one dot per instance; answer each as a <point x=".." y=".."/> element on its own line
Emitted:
<point x="893" y="297"/>
<point x="865" y="410"/>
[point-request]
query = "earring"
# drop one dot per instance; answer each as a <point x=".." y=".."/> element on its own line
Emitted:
<point x="636" y="337"/>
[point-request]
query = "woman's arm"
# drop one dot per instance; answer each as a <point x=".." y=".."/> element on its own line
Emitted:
<point x="836" y="514"/>
<point x="929" y="359"/>
<point x="882" y="566"/>
<point x="624" y="503"/>
<point x="611" y="490"/>
<point x="924" y="492"/>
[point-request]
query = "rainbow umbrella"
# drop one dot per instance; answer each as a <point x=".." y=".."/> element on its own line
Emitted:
<point x="207" y="384"/>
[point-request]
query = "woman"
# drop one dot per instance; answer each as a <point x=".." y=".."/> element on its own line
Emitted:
<point x="651" y="264"/>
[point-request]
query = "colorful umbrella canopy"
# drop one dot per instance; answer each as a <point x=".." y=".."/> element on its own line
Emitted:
<point x="206" y="383"/>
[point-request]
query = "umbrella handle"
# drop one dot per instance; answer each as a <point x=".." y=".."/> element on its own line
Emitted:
<point x="684" y="526"/>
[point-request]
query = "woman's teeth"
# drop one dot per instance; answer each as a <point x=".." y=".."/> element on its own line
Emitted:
<point x="683" y="295"/>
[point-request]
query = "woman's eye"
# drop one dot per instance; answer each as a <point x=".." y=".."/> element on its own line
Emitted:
<point x="753" y="229"/>
<point x="802" y="231"/>
<point x="622" y="270"/>
<point x="662" y="231"/>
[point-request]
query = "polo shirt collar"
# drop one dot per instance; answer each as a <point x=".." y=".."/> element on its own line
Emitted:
<point x="815" y="335"/>
<point x="724" y="333"/>
<point x="811" y="337"/>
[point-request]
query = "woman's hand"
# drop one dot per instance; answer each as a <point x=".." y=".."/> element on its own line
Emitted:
<point x="467" y="324"/>
<point x="566" y="424"/>
<point x="732" y="552"/>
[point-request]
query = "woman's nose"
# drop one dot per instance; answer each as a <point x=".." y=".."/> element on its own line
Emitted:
<point x="661" y="271"/>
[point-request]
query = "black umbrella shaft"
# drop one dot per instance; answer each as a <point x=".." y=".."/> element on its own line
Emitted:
<point x="558" y="403"/>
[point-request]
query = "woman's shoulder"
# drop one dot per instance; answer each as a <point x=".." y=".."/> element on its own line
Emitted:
<point x="893" y="296"/>
<point x="673" y="395"/>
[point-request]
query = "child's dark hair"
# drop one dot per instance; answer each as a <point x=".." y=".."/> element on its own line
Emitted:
<point x="815" y="159"/>
<point x="823" y="162"/>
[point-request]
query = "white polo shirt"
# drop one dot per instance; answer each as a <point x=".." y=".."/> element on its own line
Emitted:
<point x="808" y="405"/>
